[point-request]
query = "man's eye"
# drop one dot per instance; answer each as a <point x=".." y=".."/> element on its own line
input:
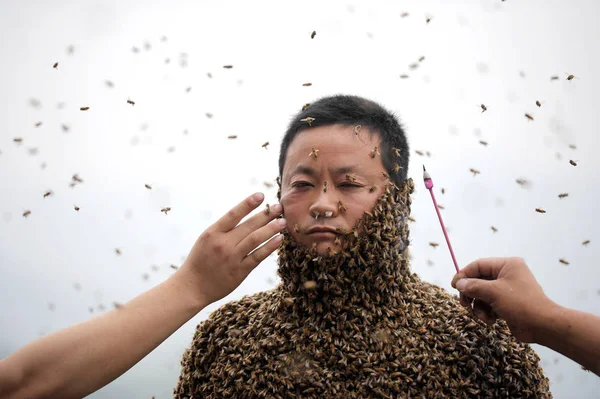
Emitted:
<point x="301" y="184"/>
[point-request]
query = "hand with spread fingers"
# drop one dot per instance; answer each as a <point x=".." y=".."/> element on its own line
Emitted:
<point x="227" y="251"/>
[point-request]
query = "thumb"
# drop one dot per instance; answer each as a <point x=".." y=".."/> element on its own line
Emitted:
<point x="477" y="288"/>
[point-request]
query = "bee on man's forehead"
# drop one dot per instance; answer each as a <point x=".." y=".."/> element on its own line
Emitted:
<point x="572" y="162"/>
<point x="314" y="153"/>
<point x="374" y="153"/>
<point x="483" y="108"/>
<point x="130" y="102"/>
<point x="48" y="193"/>
<point x="372" y="189"/>
<point x="28" y="212"/>
<point x="265" y="145"/>
<point x="474" y="171"/>
<point x="434" y="244"/>
<point x="495" y="230"/>
<point x="586" y="242"/>
<point x="305" y="106"/>
<point x="84" y="108"/>
<point x="540" y="210"/>
<point x="529" y="117"/>
<point x="351" y="177"/>
<point x="325" y="187"/>
<point x="306" y="84"/>
<point x="342" y="207"/>
<point x="563" y="195"/>
<point x="308" y="120"/>
<point x="165" y="210"/>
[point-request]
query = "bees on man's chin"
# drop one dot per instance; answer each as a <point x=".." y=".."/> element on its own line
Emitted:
<point x="296" y="228"/>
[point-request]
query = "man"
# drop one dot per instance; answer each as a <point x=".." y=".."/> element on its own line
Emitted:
<point x="349" y="319"/>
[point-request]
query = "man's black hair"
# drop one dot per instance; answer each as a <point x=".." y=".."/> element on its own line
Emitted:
<point x="352" y="111"/>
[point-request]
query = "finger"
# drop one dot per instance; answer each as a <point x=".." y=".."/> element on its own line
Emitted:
<point x="252" y="260"/>
<point x="477" y="288"/>
<point x="484" y="316"/>
<point x="488" y="268"/>
<point x="256" y="222"/>
<point x="256" y="238"/>
<point x="238" y="212"/>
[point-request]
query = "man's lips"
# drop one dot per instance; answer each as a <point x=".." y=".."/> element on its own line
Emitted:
<point x="321" y="229"/>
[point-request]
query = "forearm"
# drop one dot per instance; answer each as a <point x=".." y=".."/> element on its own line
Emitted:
<point x="574" y="334"/>
<point x="81" y="359"/>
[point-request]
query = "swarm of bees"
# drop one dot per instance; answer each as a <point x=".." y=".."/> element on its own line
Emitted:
<point x="165" y="210"/>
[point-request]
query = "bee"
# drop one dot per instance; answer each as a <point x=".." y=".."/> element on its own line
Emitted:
<point x="483" y="142"/>
<point x="296" y="228"/>
<point x="483" y="108"/>
<point x="84" y="108"/>
<point x="374" y="153"/>
<point x="342" y="207"/>
<point x="174" y="267"/>
<point x="522" y="182"/>
<point x="563" y="261"/>
<point x="76" y="208"/>
<point x="474" y="171"/>
<point x="305" y="106"/>
<point x="337" y="241"/>
<point x="571" y="77"/>
<point x="130" y="102"/>
<point x="48" y="193"/>
<point x="396" y="151"/>
<point x="396" y="168"/>
<point x="32" y="151"/>
<point x="227" y="66"/>
<point x="265" y="145"/>
<point x="427" y="153"/>
<point x="309" y="285"/>
<point x="313" y="34"/>
<point x="76" y="178"/>
<point x="385" y="175"/>
<point x="441" y="206"/>
<point x="154" y="268"/>
<point x="117" y="305"/>
<point x="404" y="76"/>
<point x="495" y="230"/>
<point x="135" y="49"/>
<point x="314" y="153"/>
<point x="288" y="300"/>
<point x="188" y="89"/>
<point x="357" y="129"/>
<point x="55" y="66"/>
<point x="539" y="104"/>
<point x="109" y="84"/>
<point x="324" y="187"/>
<point x="572" y="146"/>
<point x="171" y="149"/>
<point x="351" y="177"/>
<point x="419" y="152"/>
<point x="563" y="195"/>
<point x="268" y="184"/>
<point x="38" y="124"/>
<point x="117" y="251"/>
<point x="18" y="140"/>
<point x="208" y="115"/>
<point x="28" y="212"/>
<point x="404" y="14"/>
<point x="540" y="210"/>
<point x="554" y="77"/>
<point x="428" y="19"/>
<point x="529" y="117"/>
<point x="308" y="120"/>
<point x="307" y="84"/>
<point x="421" y="58"/>
<point x="232" y="137"/>
<point x="268" y="209"/>
<point x="586" y="242"/>
<point x="372" y="189"/>
<point x="413" y="66"/>
<point x="65" y="128"/>
<point x="434" y="244"/>
<point x="574" y="163"/>
<point x="165" y="210"/>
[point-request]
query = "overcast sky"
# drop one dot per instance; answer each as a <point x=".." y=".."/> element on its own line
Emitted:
<point x="58" y="263"/>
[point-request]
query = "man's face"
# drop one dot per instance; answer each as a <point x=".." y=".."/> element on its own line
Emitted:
<point x="340" y="152"/>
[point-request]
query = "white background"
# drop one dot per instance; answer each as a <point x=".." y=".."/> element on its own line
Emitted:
<point x="501" y="54"/>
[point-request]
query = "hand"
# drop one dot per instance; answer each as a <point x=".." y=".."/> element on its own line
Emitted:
<point x="226" y="253"/>
<point x="504" y="288"/>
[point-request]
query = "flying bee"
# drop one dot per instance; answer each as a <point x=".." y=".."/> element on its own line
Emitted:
<point x="421" y="58"/>
<point x="109" y="84"/>
<point x="149" y="187"/>
<point x="18" y="140"/>
<point x="474" y="171"/>
<point x="268" y="209"/>
<point x="305" y="106"/>
<point x="404" y="14"/>
<point x="396" y="168"/>
<point x="117" y="251"/>
<point x="227" y="66"/>
<point x="65" y="128"/>
<point x="55" y="66"/>
<point x="412" y="219"/>
<point x="522" y="182"/>
<point x="374" y="153"/>
<point x="28" y="212"/>
<point x="117" y="305"/>
<point x="404" y="76"/>
<point x="38" y="124"/>
<point x="135" y="49"/>
<point x="385" y="175"/>
<point x="171" y="149"/>
<point x="48" y="193"/>
<point x="342" y="207"/>
<point x="483" y="108"/>
<point x="434" y="244"/>
<point x="306" y="84"/>
<point x="174" y="267"/>
<point x="563" y="261"/>
<point x="188" y="89"/>
<point x="351" y="177"/>
<point x="554" y="77"/>
<point x="76" y="178"/>
<point x="84" y="108"/>
<point x="571" y="76"/>
<point x="324" y="187"/>
<point x="495" y="230"/>
<point x="540" y="210"/>
<point x="130" y="102"/>
<point x="529" y="117"/>
<point x="232" y="137"/>
<point x="483" y="142"/>
<point x="372" y="189"/>
<point x="314" y="153"/>
<point x="396" y="151"/>
<point x="309" y="285"/>
<point x="441" y="206"/>
<point x="308" y="120"/>
<point x="313" y="34"/>
<point x="574" y="163"/>
<point x="539" y="104"/>
<point x="413" y="66"/>
<point x="165" y="210"/>
<point x="572" y="146"/>
<point x="265" y="145"/>
<point x="76" y="208"/>
<point x="428" y="19"/>
<point x="443" y="190"/>
<point x="268" y="184"/>
<point x="208" y="115"/>
<point x="563" y="195"/>
<point x="586" y="242"/>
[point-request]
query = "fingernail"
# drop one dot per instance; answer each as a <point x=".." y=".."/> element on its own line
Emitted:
<point x="258" y="196"/>
<point x="461" y="284"/>
<point x="282" y="222"/>
<point x="276" y="208"/>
